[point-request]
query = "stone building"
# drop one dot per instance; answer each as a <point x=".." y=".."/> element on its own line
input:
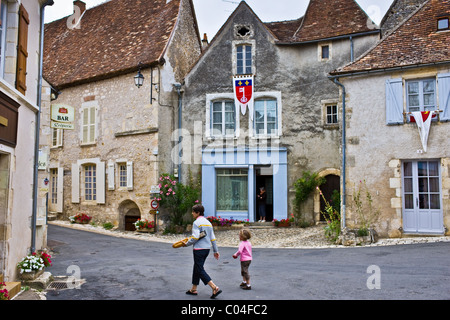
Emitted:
<point x="22" y="225"/>
<point x="293" y="126"/>
<point x="118" y="140"/>
<point x="390" y="94"/>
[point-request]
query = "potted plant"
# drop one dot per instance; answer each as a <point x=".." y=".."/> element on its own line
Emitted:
<point x="32" y="266"/>
<point x="4" y="294"/>
<point x="283" y="223"/>
<point x="81" y="218"/>
<point x="144" y="225"/>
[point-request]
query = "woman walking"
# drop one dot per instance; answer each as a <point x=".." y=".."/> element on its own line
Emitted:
<point x="202" y="238"/>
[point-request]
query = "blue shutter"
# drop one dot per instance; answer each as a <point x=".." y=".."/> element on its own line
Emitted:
<point x="394" y="101"/>
<point x="444" y="96"/>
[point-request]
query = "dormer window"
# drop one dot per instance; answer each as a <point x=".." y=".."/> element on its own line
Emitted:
<point x="443" y="24"/>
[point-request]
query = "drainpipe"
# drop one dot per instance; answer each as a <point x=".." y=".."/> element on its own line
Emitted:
<point x="38" y="124"/>
<point x="177" y="87"/>
<point x="336" y="81"/>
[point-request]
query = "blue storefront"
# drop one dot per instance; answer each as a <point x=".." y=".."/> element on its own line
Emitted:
<point x="231" y="178"/>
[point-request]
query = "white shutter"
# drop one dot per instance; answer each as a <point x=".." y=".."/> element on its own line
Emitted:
<point x="394" y="101"/>
<point x="130" y="175"/>
<point x="111" y="180"/>
<point x="101" y="182"/>
<point x="75" y="183"/>
<point x="444" y="96"/>
<point x="60" y="194"/>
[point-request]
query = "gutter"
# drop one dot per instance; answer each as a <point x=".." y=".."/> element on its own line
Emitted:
<point x="177" y="87"/>
<point x="343" y="174"/>
<point x="330" y="38"/>
<point x="38" y="125"/>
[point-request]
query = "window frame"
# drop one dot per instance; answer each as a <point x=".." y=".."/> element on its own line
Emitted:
<point x="273" y="95"/>
<point x="239" y="43"/>
<point x="421" y="94"/>
<point x="233" y="172"/>
<point x="320" y="47"/>
<point x="85" y="167"/>
<point x="223" y="123"/>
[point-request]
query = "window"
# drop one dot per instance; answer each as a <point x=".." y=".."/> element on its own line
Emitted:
<point x="443" y="24"/>
<point x="122" y="175"/>
<point x="223" y="120"/>
<point x="266" y="117"/>
<point x="244" y="59"/>
<point x="90" y="182"/>
<point x="324" y="51"/>
<point x="421" y="95"/>
<point x="89" y="121"/>
<point x="54" y="186"/>
<point x="331" y="114"/>
<point x="232" y="189"/>
<point x="57" y="137"/>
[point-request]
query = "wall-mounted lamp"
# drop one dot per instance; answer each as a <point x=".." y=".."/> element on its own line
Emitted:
<point x="139" y="78"/>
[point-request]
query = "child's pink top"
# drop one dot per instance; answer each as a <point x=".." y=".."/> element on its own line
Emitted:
<point x="245" y="251"/>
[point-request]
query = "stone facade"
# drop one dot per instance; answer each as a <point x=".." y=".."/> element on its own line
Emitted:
<point x="292" y="74"/>
<point x="129" y="143"/>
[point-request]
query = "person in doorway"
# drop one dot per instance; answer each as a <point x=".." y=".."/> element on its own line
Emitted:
<point x="262" y="196"/>
<point x="245" y="252"/>
<point x="202" y="239"/>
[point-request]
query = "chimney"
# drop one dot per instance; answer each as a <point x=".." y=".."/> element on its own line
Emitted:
<point x="204" y="41"/>
<point x="80" y="4"/>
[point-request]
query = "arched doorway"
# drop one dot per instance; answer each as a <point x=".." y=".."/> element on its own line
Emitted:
<point x="129" y="213"/>
<point x="330" y="190"/>
<point x="332" y="183"/>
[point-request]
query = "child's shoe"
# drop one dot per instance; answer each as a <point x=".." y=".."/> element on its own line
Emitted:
<point x="247" y="287"/>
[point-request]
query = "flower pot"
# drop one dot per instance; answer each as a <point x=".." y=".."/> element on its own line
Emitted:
<point x="146" y="230"/>
<point x="32" y="275"/>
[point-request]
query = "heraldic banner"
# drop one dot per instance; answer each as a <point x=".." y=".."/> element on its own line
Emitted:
<point x="243" y="94"/>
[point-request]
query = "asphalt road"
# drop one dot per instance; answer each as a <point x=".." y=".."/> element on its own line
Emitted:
<point x="123" y="269"/>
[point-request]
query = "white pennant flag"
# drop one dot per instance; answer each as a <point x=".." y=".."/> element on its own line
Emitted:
<point x="423" y="121"/>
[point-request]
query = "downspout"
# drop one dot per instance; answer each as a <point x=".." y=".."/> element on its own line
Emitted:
<point x="177" y="87"/>
<point x="38" y="125"/>
<point x="336" y="81"/>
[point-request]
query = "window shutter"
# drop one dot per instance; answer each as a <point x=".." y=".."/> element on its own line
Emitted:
<point x="101" y="183"/>
<point x="60" y="194"/>
<point x="22" y="53"/>
<point x="111" y="180"/>
<point x="444" y="96"/>
<point x="394" y="101"/>
<point x="75" y="183"/>
<point x="130" y="175"/>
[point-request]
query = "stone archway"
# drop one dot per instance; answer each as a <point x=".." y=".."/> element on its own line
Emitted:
<point x="332" y="177"/>
<point x="129" y="213"/>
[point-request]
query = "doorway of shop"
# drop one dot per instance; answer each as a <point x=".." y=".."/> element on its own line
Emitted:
<point x="264" y="179"/>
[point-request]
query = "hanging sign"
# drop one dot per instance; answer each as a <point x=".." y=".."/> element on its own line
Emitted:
<point x="243" y="94"/>
<point x="62" y="117"/>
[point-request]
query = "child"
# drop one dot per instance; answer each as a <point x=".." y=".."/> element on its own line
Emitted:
<point x="245" y="251"/>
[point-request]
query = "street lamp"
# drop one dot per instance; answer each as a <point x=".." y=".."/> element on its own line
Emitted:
<point x="139" y="78"/>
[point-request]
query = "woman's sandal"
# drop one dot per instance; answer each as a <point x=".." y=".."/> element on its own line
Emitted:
<point x="192" y="293"/>
<point x="216" y="292"/>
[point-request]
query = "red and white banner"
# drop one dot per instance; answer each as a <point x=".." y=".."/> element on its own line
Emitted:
<point x="243" y="94"/>
<point x="423" y="121"/>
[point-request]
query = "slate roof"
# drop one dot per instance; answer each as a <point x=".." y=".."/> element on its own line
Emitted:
<point x="415" y="42"/>
<point x="112" y="39"/>
<point x="324" y="19"/>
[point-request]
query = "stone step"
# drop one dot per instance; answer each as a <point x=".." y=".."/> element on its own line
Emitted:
<point x="13" y="288"/>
